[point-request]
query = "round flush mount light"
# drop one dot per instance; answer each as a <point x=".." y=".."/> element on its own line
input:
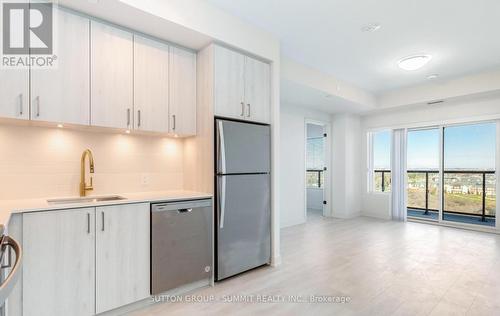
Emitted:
<point x="433" y="76"/>
<point x="414" y="62"/>
<point x="371" y="27"/>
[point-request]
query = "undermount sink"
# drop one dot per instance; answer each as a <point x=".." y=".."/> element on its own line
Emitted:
<point x="86" y="199"/>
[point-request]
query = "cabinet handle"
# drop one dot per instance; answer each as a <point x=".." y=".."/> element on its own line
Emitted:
<point x="37" y="100"/>
<point x="88" y="223"/>
<point x="249" y="110"/>
<point x="242" y="109"/>
<point x="139" y="118"/>
<point x="128" y="117"/>
<point x="173" y="118"/>
<point x="21" y="104"/>
<point x="102" y="220"/>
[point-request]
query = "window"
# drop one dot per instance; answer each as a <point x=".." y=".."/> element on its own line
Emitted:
<point x="423" y="173"/>
<point x="315" y="162"/>
<point x="469" y="174"/>
<point x="381" y="161"/>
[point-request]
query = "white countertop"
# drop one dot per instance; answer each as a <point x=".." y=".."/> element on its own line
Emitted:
<point x="8" y="207"/>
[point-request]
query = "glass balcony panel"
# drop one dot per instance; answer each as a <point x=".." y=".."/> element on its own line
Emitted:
<point x="416" y="190"/>
<point x="491" y="194"/>
<point x="434" y="191"/>
<point x="463" y="193"/>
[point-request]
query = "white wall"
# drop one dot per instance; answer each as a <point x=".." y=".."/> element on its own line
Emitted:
<point x="474" y="109"/>
<point x="292" y="160"/>
<point x="346" y="149"/>
<point x="315" y="198"/>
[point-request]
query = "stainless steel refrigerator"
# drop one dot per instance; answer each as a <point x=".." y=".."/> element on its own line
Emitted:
<point x="243" y="197"/>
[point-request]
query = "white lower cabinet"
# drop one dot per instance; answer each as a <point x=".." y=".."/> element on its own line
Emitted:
<point x="122" y="255"/>
<point x="58" y="267"/>
<point x="85" y="261"/>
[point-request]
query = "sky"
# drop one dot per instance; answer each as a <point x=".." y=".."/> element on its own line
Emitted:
<point x="465" y="147"/>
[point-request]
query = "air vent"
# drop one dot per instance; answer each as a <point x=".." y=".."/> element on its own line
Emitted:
<point x="435" y="102"/>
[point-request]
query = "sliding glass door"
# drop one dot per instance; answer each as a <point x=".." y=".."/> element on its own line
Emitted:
<point x="423" y="173"/>
<point x="452" y="174"/>
<point x="469" y="191"/>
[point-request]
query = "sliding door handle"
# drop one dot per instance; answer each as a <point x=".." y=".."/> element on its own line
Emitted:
<point x="249" y="110"/>
<point x="138" y="118"/>
<point x="242" y="109"/>
<point x="128" y="117"/>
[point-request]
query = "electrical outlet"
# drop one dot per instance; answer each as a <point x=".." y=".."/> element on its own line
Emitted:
<point x="145" y="179"/>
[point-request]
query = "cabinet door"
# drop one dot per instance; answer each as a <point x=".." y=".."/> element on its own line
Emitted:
<point x="122" y="255"/>
<point x="62" y="94"/>
<point x="58" y="266"/>
<point x="14" y="93"/>
<point x="257" y="90"/>
<point x="151" y="64"/>
<point x="229" y="83"/>
<point x="112" y="79"/>
<point x="182" y="92"/>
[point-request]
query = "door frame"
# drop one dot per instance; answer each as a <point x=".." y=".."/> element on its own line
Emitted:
<point x="328" y="164"/>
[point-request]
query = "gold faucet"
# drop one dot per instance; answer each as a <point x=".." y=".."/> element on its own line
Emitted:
<point x="83" y="186"/>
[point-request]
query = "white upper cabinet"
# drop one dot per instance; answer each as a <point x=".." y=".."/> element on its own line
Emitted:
<point x="122" y="255"/>
<point x="62" y="94"/>
<point x="151" y="72"/>
<point x="229" y="85"/>
<point x="111" y="76"/>
<point x="242" y="86"/>
<point x="182" y="109"/>
<point x="14" y="93"/>
<point x="257" y="90"/>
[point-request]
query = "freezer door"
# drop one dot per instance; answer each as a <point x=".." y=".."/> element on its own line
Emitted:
<point x="243" y="223"/>
<point x="242" y="147"/>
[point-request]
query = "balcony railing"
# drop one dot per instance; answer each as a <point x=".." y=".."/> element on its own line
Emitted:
<point x="467" y="191"/>
<point x="314" y="178"/>
<point x="384" y="176"/>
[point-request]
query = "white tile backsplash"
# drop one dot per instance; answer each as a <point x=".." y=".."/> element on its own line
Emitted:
<point x="42" y="162"/>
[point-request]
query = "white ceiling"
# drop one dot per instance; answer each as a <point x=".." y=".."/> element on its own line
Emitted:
<point x="296" y="94"/>
<point x="462" y="35"/>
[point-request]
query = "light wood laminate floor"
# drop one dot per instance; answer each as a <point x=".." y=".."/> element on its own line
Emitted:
<point x="384" y="267"/>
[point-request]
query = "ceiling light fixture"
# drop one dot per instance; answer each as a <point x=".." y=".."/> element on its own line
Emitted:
<point x="60" y="125"/>
<point x="414" y="62"/>
<point x="372" y="27"/>
<point x="433" y="76"/>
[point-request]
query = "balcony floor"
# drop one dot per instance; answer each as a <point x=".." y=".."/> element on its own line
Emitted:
<point x="433" y="215"/>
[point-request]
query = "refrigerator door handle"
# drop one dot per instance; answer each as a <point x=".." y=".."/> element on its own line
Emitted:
<point x="222" y="148"/>
<point x="222" y="202"/>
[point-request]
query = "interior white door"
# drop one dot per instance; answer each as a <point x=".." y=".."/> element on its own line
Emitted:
<point x="58" y="263"/>
<point x="111" y="76"/>
<point x="122" y="255"/>
<point x="62" y="94"/>
<point x="151" y="71"/>
<point x="14" y="93"/>
<point x="257" y="90"/>
<point x="182" y="92"/>
<point x="229" y="83"/>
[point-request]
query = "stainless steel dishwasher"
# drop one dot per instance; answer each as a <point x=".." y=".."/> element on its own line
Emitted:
<point x="181" y="244"/>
